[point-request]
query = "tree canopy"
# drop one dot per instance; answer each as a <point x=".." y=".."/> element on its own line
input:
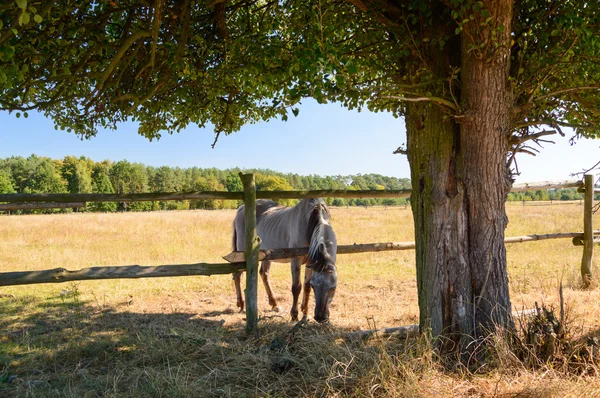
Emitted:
<point x="166" y="64"/>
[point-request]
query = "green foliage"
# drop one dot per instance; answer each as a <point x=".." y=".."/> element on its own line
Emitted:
<point x="274" y="183"/>
<point x="101" y="184"/>
<point x="6" y="183"/>
<point x="554" y="194"/>
<point x="83" y="175"/>
<point x="96" y="64"/>
<point x="209" y="183"/>
<point x="77" y="174"/>
<point x="44" y="176"/>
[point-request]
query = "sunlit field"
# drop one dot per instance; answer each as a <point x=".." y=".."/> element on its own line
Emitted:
<point x="184" y="336"/>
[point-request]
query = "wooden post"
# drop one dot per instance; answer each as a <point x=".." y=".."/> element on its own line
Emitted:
<point x="588" y="231"/>
<point x="252" y="248"/>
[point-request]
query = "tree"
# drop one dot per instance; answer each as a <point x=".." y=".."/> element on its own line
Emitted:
<point x="101" y="184"/>
<point x="476" y="81"/>
<point x="6" y="184"/>
<point x="207" y="184"/>
<point x="44" y="176"/>
<point x="274" y="183"/>
<point x="77" y="173"/>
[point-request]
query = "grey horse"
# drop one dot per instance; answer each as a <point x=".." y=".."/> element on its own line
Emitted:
<point x="305" y="225"/>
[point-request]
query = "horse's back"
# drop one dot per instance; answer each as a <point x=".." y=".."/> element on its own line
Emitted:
<point x="239" y="234"/>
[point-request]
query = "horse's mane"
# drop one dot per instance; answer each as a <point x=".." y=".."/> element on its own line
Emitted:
<point x="318" y="220"/>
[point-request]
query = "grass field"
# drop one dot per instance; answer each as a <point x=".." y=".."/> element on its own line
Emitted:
<point x="179" y="337"/>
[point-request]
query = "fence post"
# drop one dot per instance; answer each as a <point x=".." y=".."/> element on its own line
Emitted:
<point x="252" y="247"/>
<point x="588" y="230"/>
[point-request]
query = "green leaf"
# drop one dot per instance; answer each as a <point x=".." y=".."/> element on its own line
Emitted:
<point x="38" y="18"/>
<point x="295" y="111"/>
<point x="22" y="4"/>
<point x="555" y="32"/>
<point x="1" y="24"/>
<point x="24" y="18"/>
<point x="25" y="115"/>
<point x="18" y="115"/>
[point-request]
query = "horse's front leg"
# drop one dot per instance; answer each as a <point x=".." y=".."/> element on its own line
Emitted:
<point x="265" y="267"/>
<point x="306" y="293"/>
<point x="296" y="286"/>
<point x="238" y="290"/>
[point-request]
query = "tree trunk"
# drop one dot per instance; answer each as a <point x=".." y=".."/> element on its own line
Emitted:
<point x="460" y="181"/>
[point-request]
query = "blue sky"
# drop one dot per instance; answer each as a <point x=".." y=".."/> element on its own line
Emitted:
<point x="323" y="139"/>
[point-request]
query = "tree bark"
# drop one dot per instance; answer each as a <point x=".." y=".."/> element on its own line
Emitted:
<point x="460" y="181"/>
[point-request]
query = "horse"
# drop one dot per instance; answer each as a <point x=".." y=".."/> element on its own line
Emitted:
<point x="305" y="225"/>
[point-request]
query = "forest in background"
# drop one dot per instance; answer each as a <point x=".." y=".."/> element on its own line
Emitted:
<point x="36" y="174"/>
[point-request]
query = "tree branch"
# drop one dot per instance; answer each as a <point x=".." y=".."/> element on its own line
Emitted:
<point x="517" y="140"/>
<point x="436" y="100"/>
<point x="573" y="89"/>
<point x="122" y="50"/>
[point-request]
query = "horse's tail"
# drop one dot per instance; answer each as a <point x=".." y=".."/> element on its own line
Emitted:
<point x="235" y="232"/>
<point x="234" y="240"/>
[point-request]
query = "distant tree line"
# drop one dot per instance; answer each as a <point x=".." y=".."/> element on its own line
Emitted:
<point x="71" y="174"/>
<point x="551" y="194"/>
<point x="36" y="174"/>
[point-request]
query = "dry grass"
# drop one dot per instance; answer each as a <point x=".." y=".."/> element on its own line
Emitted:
<point x="170" y="337"/>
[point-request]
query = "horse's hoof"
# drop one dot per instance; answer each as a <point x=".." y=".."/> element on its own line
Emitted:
<point x="276" y="308"/>
<point x="241" y="307"/>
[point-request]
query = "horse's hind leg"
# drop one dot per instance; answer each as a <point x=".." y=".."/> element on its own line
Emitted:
<point x="306" y="293"/>
<point x="296" y="286"/>
<point x="238" y="290"/>
<point x="265" y="267"/>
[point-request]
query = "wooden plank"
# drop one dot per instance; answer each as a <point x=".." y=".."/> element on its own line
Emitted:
<point x="59" y="275"/>
<point x="251" y="254"/>
<point x="334" y="193"/>
<point x="113" y="197"/>
<point x="578" y="241"/>
<point x="400" y="331"/>
<point x="280" y="254"/>
<point x="542" y="185"/>
<point x="179" y="196"/>
<point x="39" y="205"/>
<point x="535" y="237"/>
<point x="588" y="230"/>
<point x="409" y="330"/>
<point x="582" y="190"/>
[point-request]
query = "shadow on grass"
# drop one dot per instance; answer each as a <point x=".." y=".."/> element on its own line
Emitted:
<point x="65" y="347"/>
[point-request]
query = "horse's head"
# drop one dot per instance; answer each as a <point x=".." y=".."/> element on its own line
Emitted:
<point x="321" y="260"/>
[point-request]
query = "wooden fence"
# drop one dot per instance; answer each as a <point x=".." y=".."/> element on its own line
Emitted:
<point x="248" y="260"/>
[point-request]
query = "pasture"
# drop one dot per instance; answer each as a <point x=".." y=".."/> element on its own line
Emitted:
<point x="180" y="337"/>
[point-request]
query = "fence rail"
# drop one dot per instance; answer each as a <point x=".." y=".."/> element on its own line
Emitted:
<point x="59" y="275"/>
<point x="224" y="195"/>
<point x="235" y="263"/>
<point x="179" y="196"/>
<point x="40" y="205"/>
